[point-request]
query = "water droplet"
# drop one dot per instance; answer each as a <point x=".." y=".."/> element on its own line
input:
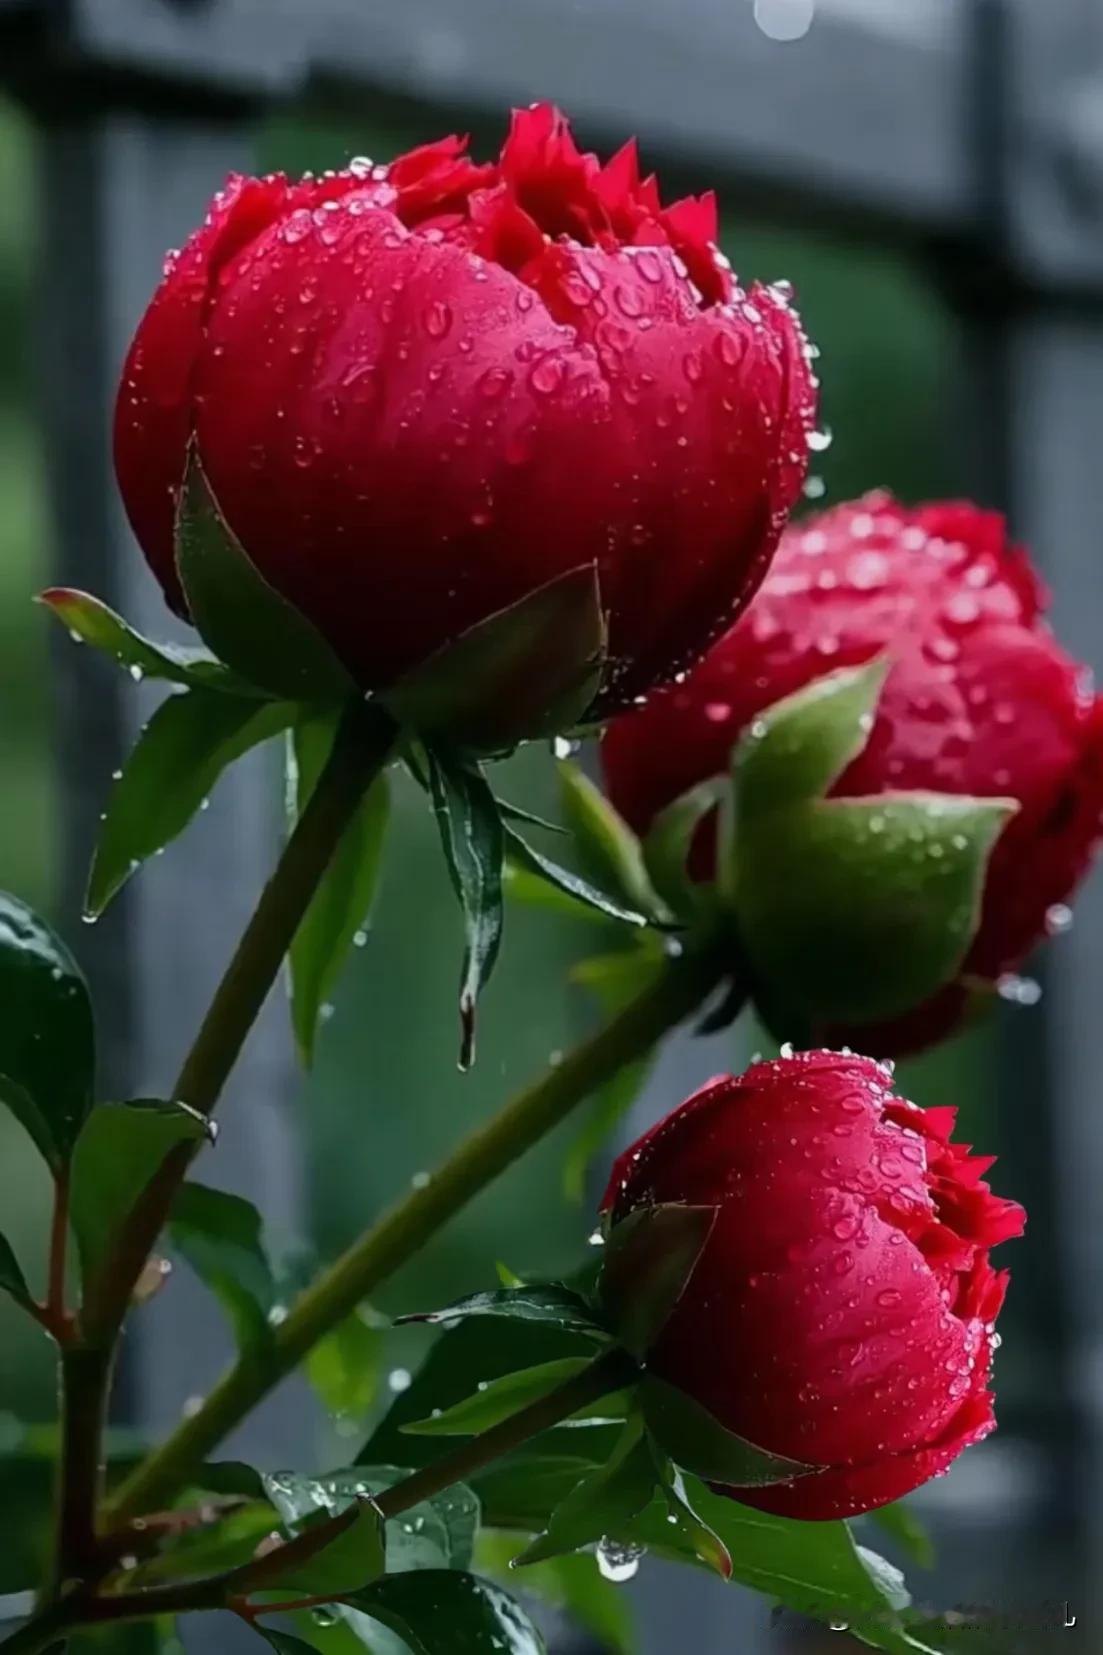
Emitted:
<point x="437" y="318"/>
<point x="421" y="1180"/>
<point x="820" y="441"/>
<point x="547" y="376"/>
<point x="399" y="1380"/>
<point x="1058" y="919"/>
<point x="618" y="1562"/>
<point x="1019" y="991"/>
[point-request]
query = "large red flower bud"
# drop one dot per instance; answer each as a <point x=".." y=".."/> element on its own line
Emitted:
<point x="421" y="392"/>
<point x="842" y="1310"/>
<point x="980" y="700"/>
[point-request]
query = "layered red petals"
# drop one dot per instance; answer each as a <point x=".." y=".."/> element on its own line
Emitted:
<point x="980" y="700"/>
<point x="842" y="1312"/>
<point x="421" y="391"/>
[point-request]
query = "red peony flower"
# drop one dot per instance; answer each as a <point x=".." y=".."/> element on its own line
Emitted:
<point x="842" y="1310"/>
<point x="980" y="700"/>
<point x="421" y="391"/>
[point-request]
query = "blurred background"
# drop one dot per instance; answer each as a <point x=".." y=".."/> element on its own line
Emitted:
<point x="929" y="175"/>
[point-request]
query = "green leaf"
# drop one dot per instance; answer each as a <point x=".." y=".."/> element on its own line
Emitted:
<point x="649" y="1256"/>
<point x="498" y="1399"/>
<point x="239" y="615"/>
<point x="705" y="1543"/>
<point x="91" y="622"/>
<point x="550" y="1302"/>
<point x="572" y="1584"/>
<point x="443" y="1612"/>
<point x="346" y="1366"/>
<point x="120" y="1151"/>
<point x="571" y="884"/>
<point x="669" y="841"/>
<point x="473" y="838"/>
<point x="222" y="1237"/>
<point x="530" y="670"/>
<point x="900" y="1522"/>
<point x="47" y="1041"/>
<point x="284" y="1643"/>
<point x="329" y="1553"/>
<point x="609" y="1497"/>
<point x="12" y="1279"/>
<point x="180" y="755"/>
<point x="609" y="850"/>
<point x="697" y="1442"/>
<point x="796" y="749"/>
<point x="437" y="1533"/>
<point x="343" y="900"/>
<point x="854" y="910"/>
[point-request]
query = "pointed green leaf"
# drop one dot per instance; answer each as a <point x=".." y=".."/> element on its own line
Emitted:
<point x="12" y="1279"/>
<point x="798" y="747"/>
<point x="853" y="910"/>
<point x="670" y="838"/>
<point x="222" y="1237"/>
<point x="473" y="838"/>
<point x="120" y="1151"/>
<point x="183" y="750"/>
<point x="530" y="670"/>
<point x="550" y="1303"/>
<point x="437" y="1533"/>
<point x="704" y="1541"/>
<point x="91" y="622"/>
<point x="689" y="1435"/>
<point x="47" y="1041"/>
<point x="609" y="1497"/>
<point x="444" y="1612"/>
<point x="498" y="1399"/>
<point x="570" y="883"/>
<point x="345" y="1367"/>
<point x="328" y="1553"/>
<point x="243" y="619"/>
<point x="609" y="850"/>
<point x="342" y="903"/>
<point x="649" y="1256"/>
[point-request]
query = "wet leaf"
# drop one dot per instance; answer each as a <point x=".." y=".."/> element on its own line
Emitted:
<point x="607" y="1498"/>
<point x="498" y="1399"/>
<point x="436" y="1533"/>
<point x="338" y="1553"/>
<point x="222" y="1238"/>
<point x="12" y="1279"/>
<point x="551" y="1303"/>
<point x="572" y="884"/>
<point x="473" y="838"/>
<point x="669" y="840"/>
<point x="444" y="1612"/>
<point x="609" y="850"/>
<point x="93" y="623"/>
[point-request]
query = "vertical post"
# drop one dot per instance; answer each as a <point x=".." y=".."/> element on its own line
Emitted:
<point x="116" y="190"/>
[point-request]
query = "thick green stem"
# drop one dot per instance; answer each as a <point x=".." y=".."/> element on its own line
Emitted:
<point x="681" y="987"/>
<point x="85" y="1384"/>
<point x="611" y="1372"/>
<point x="363" y="743"/>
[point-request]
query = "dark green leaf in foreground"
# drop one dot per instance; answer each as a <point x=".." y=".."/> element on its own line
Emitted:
<point x="649" y="1256"/>
<point x="498" y="1399"/>
<point x="47" y="1041"/>
<point x="180" y="755"/>
<point x="438" y="1533"/>
<point x="444" y="1612"/>
<point x="473" y="837"/>
<point x="602" y="1502"/>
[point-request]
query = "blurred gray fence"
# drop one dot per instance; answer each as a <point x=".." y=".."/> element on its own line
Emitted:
<point x="970" y="131"/>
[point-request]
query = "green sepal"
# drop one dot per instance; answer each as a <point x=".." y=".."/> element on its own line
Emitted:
<point x="669" y="840"/>
<point x="688" y="1523"/>
<point x="571" y="883"/>
<point x="47" y="1037"/>
<point x="473" y="838"/>
<point x="690" y="1436"/>
<point x="221" y="1236"/>
<point x="446" y="1612"/>
<point x="550" y="1303"/>
<point x="800" y="746"/>
<point x="609" y="1497"/>
<point x="89" y="621"/>
<point x="648" y="1259"/>
<point x="328" y="1554"/>
<point x="119" y="1153"/>
<point x="854" y="910"/>
<point x="529" y="670"/>
<point x="179" y="756"/>
<point x="341" y="905"/>
<point x="498" y="1399"/>
<point x="609" y="851"/>
<point x="243" y="619"/>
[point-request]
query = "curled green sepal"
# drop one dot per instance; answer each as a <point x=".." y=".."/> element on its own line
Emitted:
<point x="530" y="670"/>
<point x="649" y="1257"/>
<point x="243" y="619"/>
<point x="696" y="1441"/>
